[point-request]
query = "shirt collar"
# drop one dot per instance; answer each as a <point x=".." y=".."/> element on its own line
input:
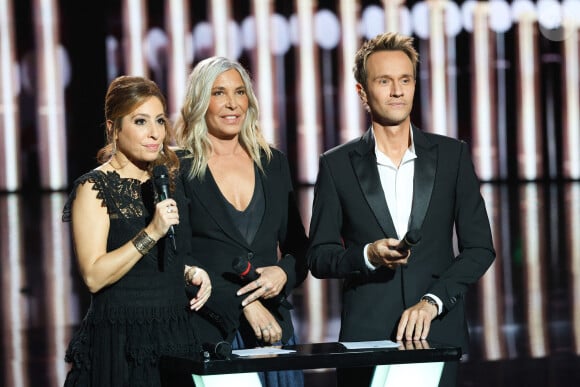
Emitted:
<point x="409" y="153"/>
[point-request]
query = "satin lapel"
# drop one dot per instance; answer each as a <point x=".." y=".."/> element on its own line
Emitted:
<point x="424" y="179"/>
<point x="211" y="198"/>
<point x="365" y="167"/>
<point x="267" y="197"/>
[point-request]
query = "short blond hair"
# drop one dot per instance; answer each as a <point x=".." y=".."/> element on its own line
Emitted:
<point x="389" y="41"/>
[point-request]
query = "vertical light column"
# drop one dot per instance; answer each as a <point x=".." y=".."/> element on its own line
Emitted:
<point x="10" y="179"/>
<point x="264" y="80"/>
<point x="392" y="15"/>
<point x="534" y="256"/>
<point x="571" y="101"/>
<point x="490" y="285"/>
<point x="56" y="263"/>
<point x="220" y="20"/>
<point x="572" y="214"/>
<point x="14" y="321"/>
<point x="134" y="16"/>
<point x="438" y="67"/>
<point x="309" y="138"/>
<point x="51" y="125"/>
<point x="180" y="53"/>
<point x="352" y="114"/>
<point x="503" y="249"/>
<point x="483" y="91"/>
<point x="308" y="95"/>
<point x="529" y="135"/>
<point x="501" y="105"/>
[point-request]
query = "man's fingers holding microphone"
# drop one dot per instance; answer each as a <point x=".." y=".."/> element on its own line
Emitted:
<point x="384" y="252"/>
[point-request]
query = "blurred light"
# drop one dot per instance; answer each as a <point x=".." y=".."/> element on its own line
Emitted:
<point x="9" y="137"/>
<point x="280" y="39"/>
<point x="326" y="29"/>
<point x="420" y="17"/>
<point x="405" y="26"/>
<point x="202" y="37"/>
<point x="248" y="29"/>
<point x="112" y="46"/>
<point x="549" y="14"/>
<point x="280" y="34"/>
<point x="156" y="48"/>
<point x="453" y="24"/>
<point x="372" y="21"/>
<point x="467" y="14"/>
<point x="499" y="16"/>
<point x="521" y="8"/>
<point x="235" y="43"/>
<point x="571" y="11"/>
<point x="294" y="30"/>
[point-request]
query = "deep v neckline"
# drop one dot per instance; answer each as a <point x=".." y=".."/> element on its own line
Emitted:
<point x="225" y="199"/>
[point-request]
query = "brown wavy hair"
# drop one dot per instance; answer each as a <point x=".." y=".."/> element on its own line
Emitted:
<point x="125" y="94"/>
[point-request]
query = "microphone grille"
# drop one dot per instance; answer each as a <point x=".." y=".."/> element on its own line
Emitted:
<point x="160" y="170"/>
<point x="240" y="265"/>
<point x="160" y="175"/>
<point x="413" y="237"/>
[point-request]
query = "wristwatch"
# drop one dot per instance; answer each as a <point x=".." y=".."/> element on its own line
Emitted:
<point x="430" y="300"/>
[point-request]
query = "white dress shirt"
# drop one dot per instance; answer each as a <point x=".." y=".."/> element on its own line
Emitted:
<point x="397" y="184"/>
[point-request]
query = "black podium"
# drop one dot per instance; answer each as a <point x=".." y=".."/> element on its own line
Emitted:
<point x="412" y="364"/>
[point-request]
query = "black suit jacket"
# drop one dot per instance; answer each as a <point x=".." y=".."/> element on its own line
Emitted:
<point x="350" y="210"/>
<point x="216" y="242"/>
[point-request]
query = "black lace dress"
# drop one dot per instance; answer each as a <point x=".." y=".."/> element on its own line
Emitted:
<point x="143" y="315"/>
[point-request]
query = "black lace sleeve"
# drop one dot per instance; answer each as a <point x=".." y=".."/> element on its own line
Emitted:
<point x="121" y="196"/>
<point x="96" y="178"/>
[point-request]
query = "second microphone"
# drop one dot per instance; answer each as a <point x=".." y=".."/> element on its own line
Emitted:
<point x="244" y="269"/>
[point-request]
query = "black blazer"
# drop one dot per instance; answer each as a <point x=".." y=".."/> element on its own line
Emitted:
<point x="216" y="242"/>
<point x="350" y="210"/>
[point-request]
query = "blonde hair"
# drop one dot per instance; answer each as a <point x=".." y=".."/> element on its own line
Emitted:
<point x="390" y="41"/>
<point x="191" y="127"/>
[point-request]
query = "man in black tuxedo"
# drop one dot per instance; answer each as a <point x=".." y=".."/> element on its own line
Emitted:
<point x="371" y="191"/>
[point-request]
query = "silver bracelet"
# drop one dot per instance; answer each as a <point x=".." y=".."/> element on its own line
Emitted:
<point x="143" y="242"/>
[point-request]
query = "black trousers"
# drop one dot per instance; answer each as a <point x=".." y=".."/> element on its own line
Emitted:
<point x="362" y="376"/>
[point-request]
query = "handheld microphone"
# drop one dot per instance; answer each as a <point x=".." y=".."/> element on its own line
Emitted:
<point x="221" y="350"/>
<point x="244" y="269"/>
<point x="161" y="180"/>
<point x="208" y="311"/>
<point x="411" y="238"/>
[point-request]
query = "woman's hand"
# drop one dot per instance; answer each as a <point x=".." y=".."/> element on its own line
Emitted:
<point x="196" y="276"/>
<point x="269" y="284"/>
<point x="265" y="326"/>
<point x="165" y="216"/>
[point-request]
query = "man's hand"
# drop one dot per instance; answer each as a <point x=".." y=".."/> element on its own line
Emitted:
<point x="416" y="321"/>
<point x="384" y="253"/>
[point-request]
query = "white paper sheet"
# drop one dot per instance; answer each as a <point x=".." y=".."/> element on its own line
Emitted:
<point x="261" y="351"/>
<point x="370" y="344"/>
